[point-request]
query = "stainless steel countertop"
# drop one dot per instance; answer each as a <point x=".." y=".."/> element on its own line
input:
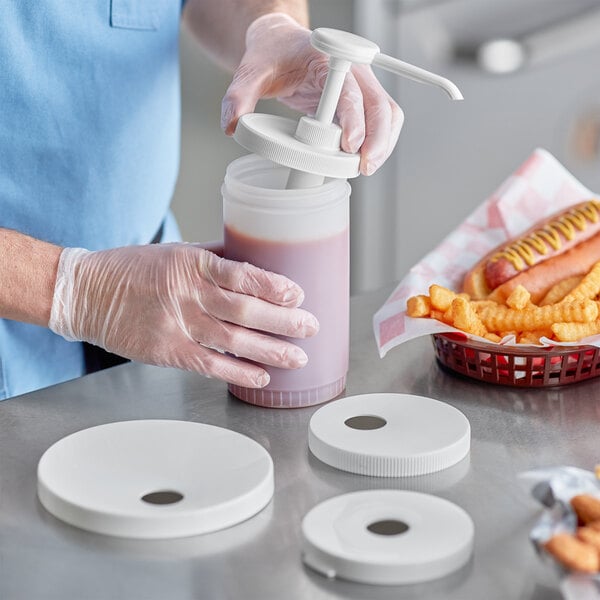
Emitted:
<point x="512" y="431"/>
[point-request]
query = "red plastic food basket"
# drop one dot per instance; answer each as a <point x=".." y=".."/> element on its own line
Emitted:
<point x="520" y="367"/>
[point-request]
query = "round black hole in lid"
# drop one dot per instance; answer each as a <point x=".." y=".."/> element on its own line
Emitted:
<point x="162" y="497"/>
<point x="388" y="527"/>
<point x="365" y="422"/>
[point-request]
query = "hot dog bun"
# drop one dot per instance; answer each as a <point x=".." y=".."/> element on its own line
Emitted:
<point x="566" y="244"/>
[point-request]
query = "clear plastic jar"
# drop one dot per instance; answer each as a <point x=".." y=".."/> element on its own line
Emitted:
<point x="303" y="234"/>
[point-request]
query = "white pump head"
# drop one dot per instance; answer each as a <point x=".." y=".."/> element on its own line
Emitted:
<point x="311" y="147"/>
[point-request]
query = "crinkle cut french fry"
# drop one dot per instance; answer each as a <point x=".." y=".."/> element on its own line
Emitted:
<point x="571" y="332"/>
<point x="595" y="525"/>
<point x="533" y="337"/>
<point x="449" y="316"/>
<point x="586" y="507"/>
<point x="418" y="306"/>
<point x="573" y="553"/>
<point x="501" y="318"/>
<point x="441" y="297"/>
<point x="589" y="535"/>
<point x="527" y="338"/>
<point x="465" y="318"/>
<point x="589" y="287"/>
<point x="492" y="337"/>
<point x="559" y="290"/>
<point x="519" y="298"/>
<point x="438" y="315"/>
<point x="479" y="304"/>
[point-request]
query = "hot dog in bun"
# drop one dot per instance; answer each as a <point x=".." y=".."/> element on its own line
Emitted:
<point x="564" y="245"/>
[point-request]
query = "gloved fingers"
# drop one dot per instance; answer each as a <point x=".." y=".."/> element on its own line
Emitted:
<point x="303" y="83"/>
<point x="351" y="115"/>
<point x="249" y="84"/>
<point x="254" y="313"/>
<point x="383" y="121"/>
<point x="195" y="357"/>
<point x="215" y="246"/>
<point x="253" y="281"/>
<point x="397" y="123"/>
<point x="278" y="44"/>
<point x="246" y="343"/>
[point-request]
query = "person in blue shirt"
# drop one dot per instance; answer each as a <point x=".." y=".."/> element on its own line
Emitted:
<point x="89" y="142"/>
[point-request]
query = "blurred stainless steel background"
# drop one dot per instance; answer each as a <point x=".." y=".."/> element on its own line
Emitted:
<point x="530" y="74"/>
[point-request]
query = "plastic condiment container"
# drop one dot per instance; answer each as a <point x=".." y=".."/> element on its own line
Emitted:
<point x="286" y="210"/>
<point x="303" y="234"/>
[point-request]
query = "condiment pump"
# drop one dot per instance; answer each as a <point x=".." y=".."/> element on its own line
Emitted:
<point x="286" y="209"/>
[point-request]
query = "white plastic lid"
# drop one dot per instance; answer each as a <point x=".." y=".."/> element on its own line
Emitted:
<point x="387" y="537"/>
<point x="274" y="137"/>
<point x="155" y="479"/>
<point x="389" y="435"/>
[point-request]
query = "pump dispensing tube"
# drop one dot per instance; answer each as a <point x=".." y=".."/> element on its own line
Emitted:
<point x="399" y="67"/>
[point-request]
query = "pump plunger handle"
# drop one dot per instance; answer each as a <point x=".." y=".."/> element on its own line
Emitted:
<point x="343" y="49"/>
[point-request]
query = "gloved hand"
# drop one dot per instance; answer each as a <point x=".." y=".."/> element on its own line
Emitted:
<point x="280" y="62"/>
<point x="182" y="306"/>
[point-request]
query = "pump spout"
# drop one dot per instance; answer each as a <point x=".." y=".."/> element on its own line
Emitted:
<point x="389" y="63"/>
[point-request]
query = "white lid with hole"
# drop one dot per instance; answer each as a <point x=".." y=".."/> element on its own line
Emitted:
<point x="155" y="478"/>
<point x="387" y="537"/>
<point x="389" y="435"/>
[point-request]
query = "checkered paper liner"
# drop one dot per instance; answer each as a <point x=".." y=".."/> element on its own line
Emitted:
<point x="540" y="187"/>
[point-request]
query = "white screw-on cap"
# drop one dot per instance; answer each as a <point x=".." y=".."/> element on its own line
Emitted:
<point x="387" y="537"/>
<point x="389" y="435"/>
<point x="155" y="479"/>
<point x="273" y="138"/>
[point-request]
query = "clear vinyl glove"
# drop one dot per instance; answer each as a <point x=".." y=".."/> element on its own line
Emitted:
<point x="280" y="62"/>
<point x="182" y="306"/>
